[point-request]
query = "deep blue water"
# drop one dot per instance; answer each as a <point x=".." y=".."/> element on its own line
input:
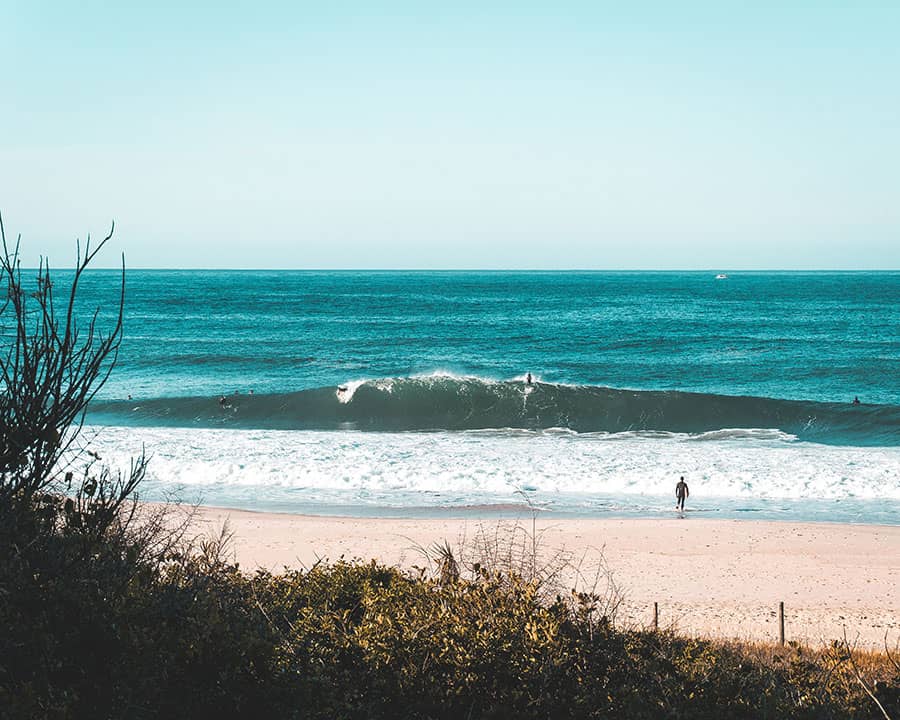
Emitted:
<point x="813" y="336"/>
<point x="398" y="392"/>
<point x="819" y="337"/>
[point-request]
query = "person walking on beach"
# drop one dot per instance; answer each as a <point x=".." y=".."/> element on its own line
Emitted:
<point x="681" y="493"/>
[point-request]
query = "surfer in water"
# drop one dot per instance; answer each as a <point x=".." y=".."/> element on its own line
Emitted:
<point x="681" y="493"/>
<point x="528" y="379"/>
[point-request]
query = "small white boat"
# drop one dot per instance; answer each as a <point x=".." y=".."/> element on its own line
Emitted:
<point x="721" y="276"/>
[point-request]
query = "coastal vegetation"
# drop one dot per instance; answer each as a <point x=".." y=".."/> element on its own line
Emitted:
<point x="110" y="609"/>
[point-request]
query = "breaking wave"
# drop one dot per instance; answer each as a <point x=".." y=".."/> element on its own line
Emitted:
<point x="447" y="402"/>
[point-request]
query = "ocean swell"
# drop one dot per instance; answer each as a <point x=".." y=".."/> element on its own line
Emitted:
<point x="446" y="402"/>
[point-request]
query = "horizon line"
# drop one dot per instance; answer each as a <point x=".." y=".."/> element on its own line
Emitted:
<point x="487" y="269"/>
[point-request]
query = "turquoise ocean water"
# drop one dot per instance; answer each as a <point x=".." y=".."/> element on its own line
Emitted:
<point x="406" y="392"/>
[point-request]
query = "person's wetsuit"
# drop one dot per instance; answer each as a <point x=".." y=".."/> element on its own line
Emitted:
<point x="681" y="492"/>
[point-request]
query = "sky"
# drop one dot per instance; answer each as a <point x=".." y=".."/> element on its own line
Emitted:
<point x="556" y="135"/>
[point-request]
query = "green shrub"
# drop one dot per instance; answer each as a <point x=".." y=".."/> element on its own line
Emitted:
<point x="115" y="633"/>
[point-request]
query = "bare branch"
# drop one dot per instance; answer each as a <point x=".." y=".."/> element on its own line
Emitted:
<point x="49" y="373"/>
<point x="859" y="677"/>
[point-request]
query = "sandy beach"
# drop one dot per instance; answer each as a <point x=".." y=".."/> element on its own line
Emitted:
<point x="710" y="577"/>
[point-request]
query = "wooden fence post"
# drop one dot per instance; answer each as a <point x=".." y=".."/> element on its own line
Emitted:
<point x="781" y="623"/>
<point x="656" y="616"/>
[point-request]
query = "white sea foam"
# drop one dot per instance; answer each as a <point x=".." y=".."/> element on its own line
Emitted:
<point x="483" y="467"/>
<point x="743" y="434"/>
<point x="346" y="391"/>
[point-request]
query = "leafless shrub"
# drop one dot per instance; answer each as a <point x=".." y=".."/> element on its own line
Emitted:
<point x="52" y="364"/>
<point x="51" y="369"/>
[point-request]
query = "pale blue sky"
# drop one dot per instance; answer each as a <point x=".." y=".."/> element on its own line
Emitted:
<point x="662" y="135"/>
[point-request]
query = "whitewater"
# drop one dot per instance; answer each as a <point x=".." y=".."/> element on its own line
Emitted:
<point x="407" y="394"/>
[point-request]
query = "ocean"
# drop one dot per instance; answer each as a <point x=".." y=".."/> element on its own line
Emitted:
<point x="406" y="393"/>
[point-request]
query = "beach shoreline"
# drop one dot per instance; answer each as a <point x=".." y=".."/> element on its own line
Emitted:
<point x="718" y="578"/>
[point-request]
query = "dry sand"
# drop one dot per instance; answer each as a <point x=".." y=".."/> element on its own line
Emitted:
<point x="710" y="577"/>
